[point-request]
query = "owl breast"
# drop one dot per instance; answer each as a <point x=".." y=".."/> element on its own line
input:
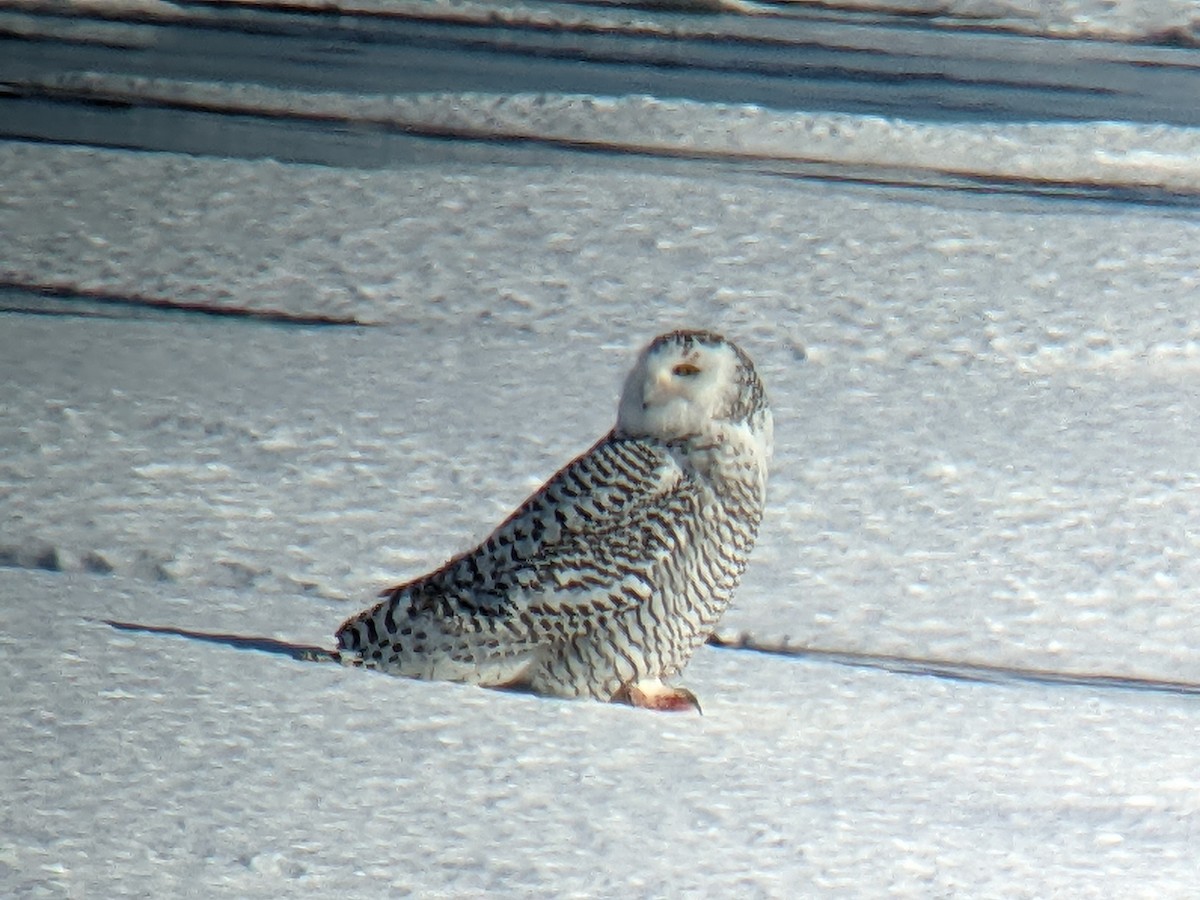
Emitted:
<point x="708" y="531"/>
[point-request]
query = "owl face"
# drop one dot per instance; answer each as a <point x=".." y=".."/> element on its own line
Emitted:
<point x="684" y="381"/>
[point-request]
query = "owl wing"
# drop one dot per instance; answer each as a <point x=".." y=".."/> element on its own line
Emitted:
<point x="585" y="544"/>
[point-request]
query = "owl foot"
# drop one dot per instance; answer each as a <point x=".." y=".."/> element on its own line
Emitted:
<point x="653" y="694"/>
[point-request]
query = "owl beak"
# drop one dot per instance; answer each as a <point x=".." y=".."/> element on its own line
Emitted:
<point x="658" y="389"/>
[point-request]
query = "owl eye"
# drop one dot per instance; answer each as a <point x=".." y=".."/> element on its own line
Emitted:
<point x="685" y="370"/>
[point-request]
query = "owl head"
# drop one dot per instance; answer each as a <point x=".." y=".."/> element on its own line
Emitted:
<point x="685" y="381"/>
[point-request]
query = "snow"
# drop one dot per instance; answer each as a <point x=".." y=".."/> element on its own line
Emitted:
<point x="1114" y="155"/>
<point x="158" y="766"/>
<point x="1149" y="21"/>
<point x="987" y="464"/>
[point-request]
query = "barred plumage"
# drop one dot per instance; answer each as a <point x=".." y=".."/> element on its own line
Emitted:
<point x="608" y="578"/>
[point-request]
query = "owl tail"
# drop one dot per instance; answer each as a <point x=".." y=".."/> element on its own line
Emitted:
<point x="424" y="646"/>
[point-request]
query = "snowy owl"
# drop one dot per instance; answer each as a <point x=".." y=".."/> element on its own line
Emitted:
<point x="606" y="580"/>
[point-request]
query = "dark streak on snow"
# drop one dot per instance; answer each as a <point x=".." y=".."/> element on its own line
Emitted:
<point x="898" y="665"/>
<point x="956" y="671"/>
<point x="303" y="652"/>
<point x="73" y="300"/>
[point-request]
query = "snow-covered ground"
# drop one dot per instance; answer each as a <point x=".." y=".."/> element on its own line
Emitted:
<point x="988" y="452"/>
<point x="151" y="766"/>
